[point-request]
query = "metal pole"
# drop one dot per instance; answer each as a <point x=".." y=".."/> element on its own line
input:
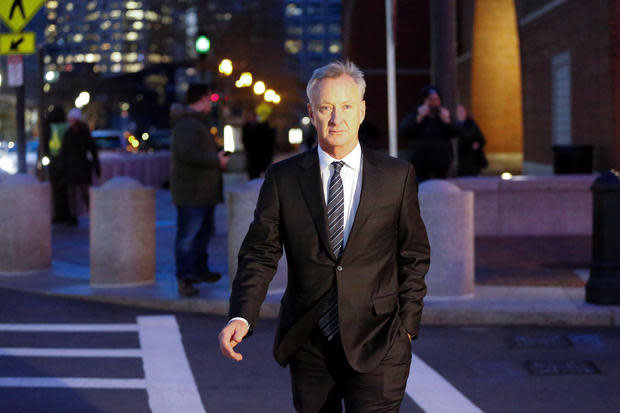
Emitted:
<point x="391" y="79"/>
<point x="21" y="129"/>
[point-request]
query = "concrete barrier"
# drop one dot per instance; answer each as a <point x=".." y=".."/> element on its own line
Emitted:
<point x="122" y="234"/>
<point x="241" y="204"/>
<point x="531" y="205"/>
<point x="25" y="224"/>
<point x="448" y="213"/>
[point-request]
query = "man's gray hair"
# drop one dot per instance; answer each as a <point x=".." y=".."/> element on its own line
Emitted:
<point x="334" y="70"/>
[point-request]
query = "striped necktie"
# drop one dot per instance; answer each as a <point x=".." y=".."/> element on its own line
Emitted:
<point x="328" y="323"/>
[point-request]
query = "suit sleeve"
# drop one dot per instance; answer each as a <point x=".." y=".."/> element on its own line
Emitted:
<point x="259" y="255"/>
<point x="413" y="256"/>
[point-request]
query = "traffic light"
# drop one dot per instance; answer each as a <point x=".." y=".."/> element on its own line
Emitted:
<point x="203" y="44"/>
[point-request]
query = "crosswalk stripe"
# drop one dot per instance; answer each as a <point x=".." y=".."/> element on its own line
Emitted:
<point x="66" y="352"/>
<point x="70" y="328"/>
<point x="433" y="393"/>
<point x="170" y="383"/>
<point x="72" y="382"/>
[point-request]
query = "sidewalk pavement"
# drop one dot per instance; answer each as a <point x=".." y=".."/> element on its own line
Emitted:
<point x="519" y="281"/>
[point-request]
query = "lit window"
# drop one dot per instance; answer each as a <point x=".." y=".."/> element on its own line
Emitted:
<point x="69" y="6"/>
<point x="315" y="46"/>
<point x="47" y="59"/>
<point x="51" y="4"/>
<point x="133" y="5"/>
<point x="138" y="25"/>
<point x="135" y="14"/>
<point x="116" y="68"/>
<point x="106" y="46"/>
<point x="78" y="37"/>
<point x="131" y="57"/>
<point x="106" y="25"/>
<point x="317" y="29"/>
<point x="116" y="57"/>
<point x="60" y="59"/>
<point x="91" y="5"/>
<point x="335" y="48"/>
<point x="131" y="36"/>
<point x="151" y="16"/>
<point x="79" y="58"/>
<point x="292" y="46"/>
<point x="293" y="10"/>
<point x="295" y="30"/>
<point x="115" y="14"/>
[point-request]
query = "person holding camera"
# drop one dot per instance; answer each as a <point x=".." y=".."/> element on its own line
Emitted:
<point x="429" y="132"/>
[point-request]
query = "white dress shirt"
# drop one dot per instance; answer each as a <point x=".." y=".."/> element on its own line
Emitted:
<point x="351" y="174"/>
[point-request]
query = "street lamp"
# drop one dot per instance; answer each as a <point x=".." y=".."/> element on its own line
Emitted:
<point x="226" y="67"/>
<point x="269" y="95"/>
<point x="259" y="87"/>
<point x="82" y="100"/>
<point x="244" y="80"/>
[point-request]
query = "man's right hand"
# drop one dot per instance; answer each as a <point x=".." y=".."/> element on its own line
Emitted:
<point x="423" y="111"/>
<point x="230" y="336"/>
<point x="224" y="158"/>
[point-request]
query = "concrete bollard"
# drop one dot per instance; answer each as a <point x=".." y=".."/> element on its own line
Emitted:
<point x="122" y="234"/>
<point x="25" y="224"/>
<point x="241" y="204"/>
<point x="448" y="214"/>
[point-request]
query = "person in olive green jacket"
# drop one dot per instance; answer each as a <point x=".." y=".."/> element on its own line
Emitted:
<point x="196" y="187"/>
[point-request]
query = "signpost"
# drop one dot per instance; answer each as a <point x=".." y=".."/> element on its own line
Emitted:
<point x="16" y="14"/>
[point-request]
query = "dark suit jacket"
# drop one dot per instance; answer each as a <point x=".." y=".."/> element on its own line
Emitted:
<point x="380" y="275"/>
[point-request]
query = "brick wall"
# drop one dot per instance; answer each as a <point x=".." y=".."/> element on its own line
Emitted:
<point x="582" y="28"/>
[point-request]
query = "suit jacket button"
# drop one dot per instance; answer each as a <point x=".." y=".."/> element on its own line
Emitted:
<point x="339" y="268"/>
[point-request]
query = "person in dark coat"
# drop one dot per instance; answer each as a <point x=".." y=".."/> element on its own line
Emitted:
<point x="77" y="168"/>
<point x="196" y="187"/>
<point x="428" y="132"/>
<point x="258" y="139"/>
<point x="471" y="157"/>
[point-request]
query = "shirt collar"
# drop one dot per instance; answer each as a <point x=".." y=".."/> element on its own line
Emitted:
<point x="353" y="160"/>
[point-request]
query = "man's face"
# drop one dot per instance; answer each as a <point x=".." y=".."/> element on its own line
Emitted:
<point x="336" y="111"/>
<point x="433" y="100"/>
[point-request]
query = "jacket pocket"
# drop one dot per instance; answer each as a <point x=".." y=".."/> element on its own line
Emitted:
<point x="385" y="304"/>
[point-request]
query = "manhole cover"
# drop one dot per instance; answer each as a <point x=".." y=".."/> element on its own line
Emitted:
<point x="554" y="341"/>
<point x="561" y="367"/>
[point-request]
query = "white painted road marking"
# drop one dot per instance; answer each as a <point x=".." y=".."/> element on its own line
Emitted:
<point x="169" y="380"/>
<point x="72" y="382"/>
<point x="70" y="328"/>
<point x="433" y="393"/>
<point x="68" y="352"/>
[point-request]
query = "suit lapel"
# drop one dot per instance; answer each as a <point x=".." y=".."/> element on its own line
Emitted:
<point x="309" y="178"/>
<point x="371" y="184"/>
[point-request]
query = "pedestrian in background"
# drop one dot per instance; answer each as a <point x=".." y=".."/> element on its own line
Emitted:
<point x="429" y="131"/>
<point x="78" y="158"/>
<point x="354" y="296"/>
<point x="258" y="139"/>
<point x="54" y="130"/>
<point x="196" y="187"/>
<point x="471" y="158"/>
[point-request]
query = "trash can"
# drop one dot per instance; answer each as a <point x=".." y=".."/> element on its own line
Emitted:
<point x="572" y="159"/>
<point x="603" y="286"/>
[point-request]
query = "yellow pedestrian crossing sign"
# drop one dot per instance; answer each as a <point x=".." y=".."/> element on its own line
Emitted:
<point x="17" y="43"/>
<point x="17" y="13"/>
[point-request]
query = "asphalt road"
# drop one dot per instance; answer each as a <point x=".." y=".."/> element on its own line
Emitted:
<point x="59" y="355"/>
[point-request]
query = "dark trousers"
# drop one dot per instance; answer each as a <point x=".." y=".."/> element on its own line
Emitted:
<point x="322" y="378"/>
<point x="194" y="228"/>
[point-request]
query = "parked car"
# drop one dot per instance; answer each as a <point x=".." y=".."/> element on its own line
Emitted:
<point x="159" y="139"/>
<point x="8" y="156"/>
<point x="110" y="139"/>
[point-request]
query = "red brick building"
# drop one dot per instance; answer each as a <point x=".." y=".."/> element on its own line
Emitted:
<point x="535" y="73"/>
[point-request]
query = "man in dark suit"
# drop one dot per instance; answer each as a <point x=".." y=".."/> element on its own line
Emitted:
<point x="357" y="254"/>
